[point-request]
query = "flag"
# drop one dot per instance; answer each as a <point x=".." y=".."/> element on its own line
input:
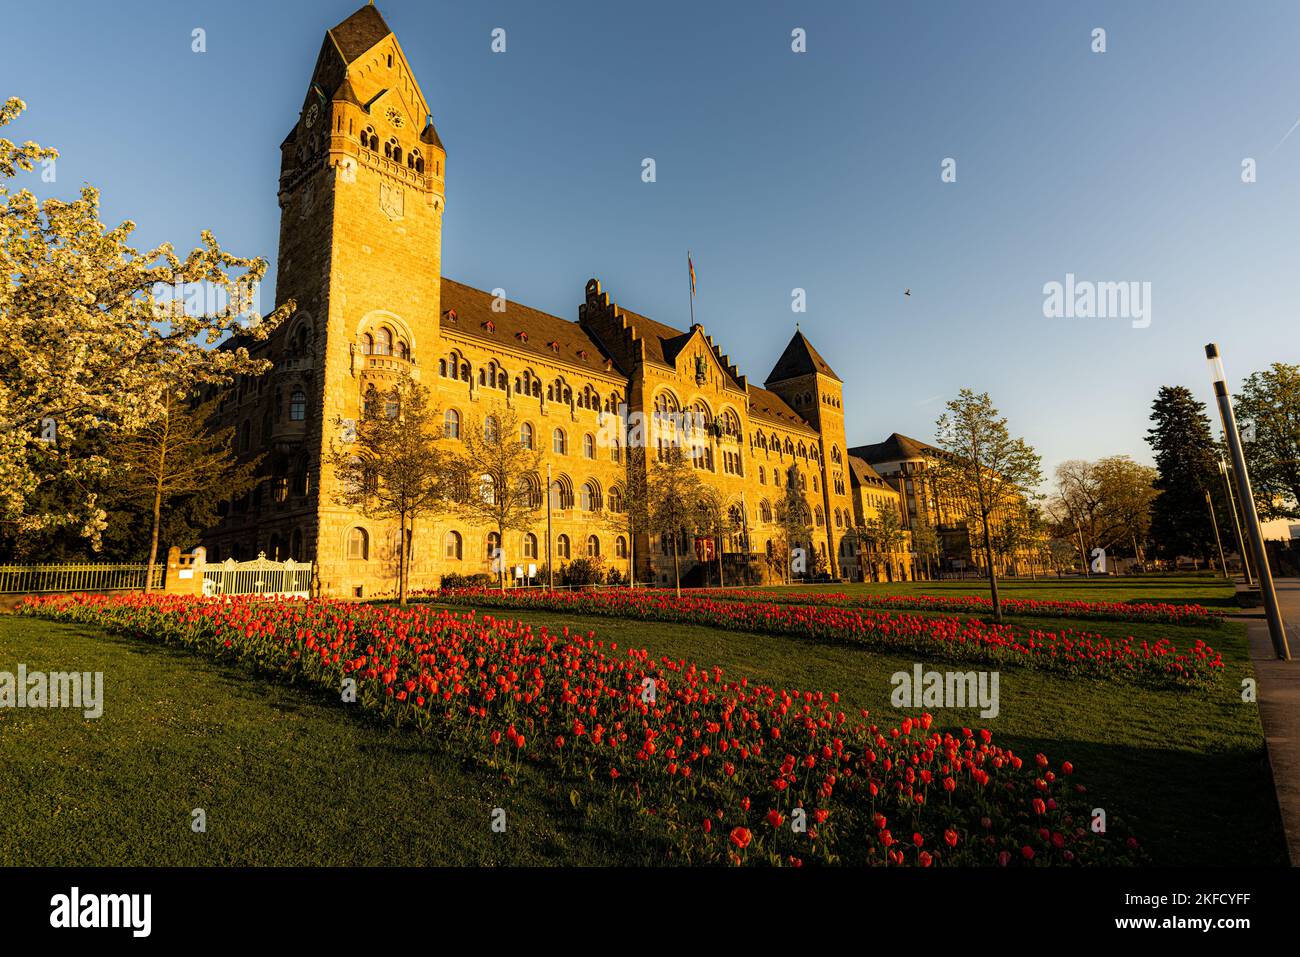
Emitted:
<point x="691" y="266"/>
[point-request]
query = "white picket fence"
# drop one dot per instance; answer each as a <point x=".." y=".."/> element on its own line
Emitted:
<point x="93" y="576"/>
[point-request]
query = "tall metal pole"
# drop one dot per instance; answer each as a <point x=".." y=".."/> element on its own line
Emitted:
<point x="1236" y="525"/>
<point x="1276" y="628"/>
<point x="550" y="565"/>
<point x="1214" y="523"/>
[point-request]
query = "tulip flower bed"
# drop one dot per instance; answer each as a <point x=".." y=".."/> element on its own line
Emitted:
<point x="1066" y="651"/>
<point x="1154" y="612"/>
<point x="738" y="772"/>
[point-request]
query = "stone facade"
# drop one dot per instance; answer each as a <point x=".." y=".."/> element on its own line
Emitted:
<point x="362" y="199"/>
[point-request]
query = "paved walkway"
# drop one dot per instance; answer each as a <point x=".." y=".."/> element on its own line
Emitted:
<point x="1279" y="704"/>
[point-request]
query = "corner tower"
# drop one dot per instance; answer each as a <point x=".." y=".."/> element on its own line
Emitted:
<point x="361" y="203"/>
<point x="810" y="386"/>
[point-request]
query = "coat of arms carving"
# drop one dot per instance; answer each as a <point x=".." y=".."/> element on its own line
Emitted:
<point x="391" y="200"/>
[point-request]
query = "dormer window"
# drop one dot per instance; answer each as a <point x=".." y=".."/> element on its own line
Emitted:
<point x="582" y="354"/>
<point x="554" y="346"/>
<point x="451" y="315"/>
<point x="521" y="336"/>
<point x="490" y="326"/>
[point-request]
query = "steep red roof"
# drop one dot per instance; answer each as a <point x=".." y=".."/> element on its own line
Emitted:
<point x="771" y="407"/>
<point x="521" y="328"/>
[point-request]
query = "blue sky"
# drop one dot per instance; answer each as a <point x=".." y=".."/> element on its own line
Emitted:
<point x="778" y="170"/>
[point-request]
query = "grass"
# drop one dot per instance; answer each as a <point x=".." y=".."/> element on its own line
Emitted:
<point x="1207" y="590"/>
<point x="288" y="776"/>
<point x="1186" y="769"/>
<point x="285" y="776"/>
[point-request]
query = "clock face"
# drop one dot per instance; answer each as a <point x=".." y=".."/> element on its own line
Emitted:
<point x="313" y="111"/>
<point x="394" y="118"/>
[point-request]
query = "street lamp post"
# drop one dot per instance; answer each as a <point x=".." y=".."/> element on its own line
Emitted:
<point x="550" y="564"/>
<point x="1276" y="628"/>
<point x="1236" y="525"/>
<point x="1218" y="542"/>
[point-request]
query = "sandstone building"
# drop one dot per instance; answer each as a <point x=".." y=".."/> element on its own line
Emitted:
<point x="362" y="190"/>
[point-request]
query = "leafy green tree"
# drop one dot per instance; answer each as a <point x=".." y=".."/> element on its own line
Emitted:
<point x="1107" y="502"/>
<point x="1186" y="467"/>
<point x="996" y="471"/>
<point x="1270" y="402"/>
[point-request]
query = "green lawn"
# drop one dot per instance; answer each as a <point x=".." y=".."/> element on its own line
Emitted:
<point x="286" y="776"/>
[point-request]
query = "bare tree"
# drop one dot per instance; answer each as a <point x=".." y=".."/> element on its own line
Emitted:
<point x="175" y="456"/>
<point x="394" y="467"/>
<point x="674" y="492"/>
<point x="501" y="476"/>
<point x="996" y="471"/>
<point x="794" y="521"/>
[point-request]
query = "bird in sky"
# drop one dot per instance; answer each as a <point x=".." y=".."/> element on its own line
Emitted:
<point x="907" y="292"/>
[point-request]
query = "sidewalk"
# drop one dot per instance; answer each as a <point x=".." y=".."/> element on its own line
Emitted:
<point x="1279" y="703"/>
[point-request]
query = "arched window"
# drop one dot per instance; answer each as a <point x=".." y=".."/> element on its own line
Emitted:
<point x="452" y="546"/>
<point x="295" y="545"/>
<point x="298" y="406"/>
<point x="559" y="444"/>
<point x="451" y="424"/>
<point x="593" y="546"/>
<point x="493" y="544"/>
<point x="367" y="344"/>
<point x="358" y="544"/>
<point x="589" y="497"/>
<point x="562" y="492"/>
<point x="490" y="430"/>
<point x="616" y="452"/>
<point x="487" y="489"/>
<point x="620" y="547"/>
<point x="588" y="446"/>
<point x="369" y="140"/>
<point x="562" y="546"/>
<point x="765" y="511"/>
<point x="526" y="435"/>
<point x="383" y="342"/>
<point x="530" y="491"/>
<point x="820" y="517"/>
<point x="762" y="475"/>
<point x="530" y="545"/>
<point x="615" y="500"/>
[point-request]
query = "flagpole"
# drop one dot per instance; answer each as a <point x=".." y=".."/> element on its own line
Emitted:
<point x="690" y="282"/>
